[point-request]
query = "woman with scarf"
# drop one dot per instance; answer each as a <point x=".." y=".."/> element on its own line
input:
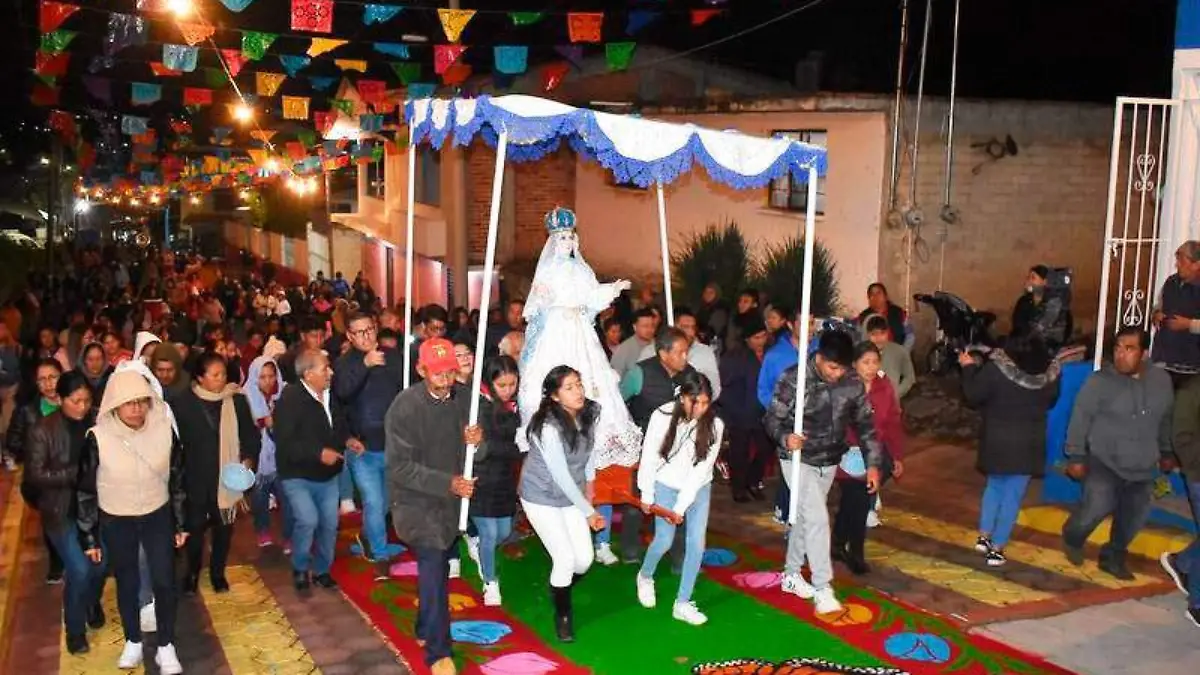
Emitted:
<point x="130" y="493"/>
<point x="52" y="470"/>
<point x="263" y="387"/>
<point x="94" y="366"/>
<point x="216" y="428"/>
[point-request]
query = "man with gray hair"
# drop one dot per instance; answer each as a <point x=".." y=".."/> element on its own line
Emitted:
<point x="1177" y="317"/>
<point x="513" y="344"/>
<point x="310" y="430"/>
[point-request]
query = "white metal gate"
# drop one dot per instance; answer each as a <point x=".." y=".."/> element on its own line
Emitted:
<point x="1132" y="224"/>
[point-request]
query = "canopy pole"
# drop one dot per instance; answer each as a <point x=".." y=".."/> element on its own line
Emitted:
<point x="666" y="255"/>
<point x="810" y="217"/>
<point x="485" y="295"/>
<point x="409" y="255"/>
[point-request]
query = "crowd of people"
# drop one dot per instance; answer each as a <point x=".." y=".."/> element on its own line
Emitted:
<point x="152" y="400"/>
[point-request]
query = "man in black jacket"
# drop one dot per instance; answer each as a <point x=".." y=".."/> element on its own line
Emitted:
<point x="367" y="380"/>
<point x="310" y="431"/>
<point x="834" y="400"/>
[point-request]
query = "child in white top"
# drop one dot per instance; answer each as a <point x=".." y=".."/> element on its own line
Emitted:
<point x="681" y="446"/>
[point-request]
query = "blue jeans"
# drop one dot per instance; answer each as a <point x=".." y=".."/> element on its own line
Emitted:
<point x="1188" y="560"/>
<point x="605" y="535"/>
<point x="1104" y="494"/>
<point x="84" y="580"/>
<point x="492" y="531"/>
<point x="345" y="484"/>
<point x="314" y="507"/>
<point x="433" y="594"/>
<point x="369" y="474"/>
<point x="1001" y="504"/>
<point x="695" y="524"/>
<point x="260" y="504"/>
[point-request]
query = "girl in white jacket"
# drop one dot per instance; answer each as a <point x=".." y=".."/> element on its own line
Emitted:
<point x="681" y="446"/>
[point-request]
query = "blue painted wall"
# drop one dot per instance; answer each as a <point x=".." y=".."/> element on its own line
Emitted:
<point x="1187" y="25"/>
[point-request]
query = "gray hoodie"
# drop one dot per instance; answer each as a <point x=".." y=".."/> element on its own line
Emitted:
<point x="1123" y="422"/>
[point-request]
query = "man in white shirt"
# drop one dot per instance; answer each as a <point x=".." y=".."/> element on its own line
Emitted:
<point x="629" y="352"/>
<point x="700" y="356"/>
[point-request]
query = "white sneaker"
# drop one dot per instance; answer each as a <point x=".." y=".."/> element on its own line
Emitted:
<point x="131" y="656"/>
<point x="605" y="556"/>
<point x="687" y="613"/>
<point x="826" y="602"/>
<point x="148" y="619"/>
<point x="873" y="519"/>
<point x="168" y="662"/>
<point x="347" y="506"/>
<point x="491" y="594"/>
<point x="645" y="592"/>
<point x="455" y="569"/>
<point x="473" y="549"/>
<point x="797" y="586"/>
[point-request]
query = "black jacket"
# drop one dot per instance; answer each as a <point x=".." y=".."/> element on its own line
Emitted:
<point x="739" y="389"/>
<point x="199" y="431"/>
<point x="302" y="431"/>
<point x="1014" y="405"/>
<point x="496" y="463"/>
<point x="52" y="469"/>
<point x="87" y="504"/>
<point x="830" y="409"/>
<point x="23" y="420"/>
<point x="366" y="393"/>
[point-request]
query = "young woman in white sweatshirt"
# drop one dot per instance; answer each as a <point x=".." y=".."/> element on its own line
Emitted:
<point x="680" y="448"/>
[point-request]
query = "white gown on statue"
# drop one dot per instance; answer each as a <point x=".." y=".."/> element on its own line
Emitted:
<point x="562" y="305"/>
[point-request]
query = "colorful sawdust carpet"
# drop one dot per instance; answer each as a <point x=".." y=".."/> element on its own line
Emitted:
<point x="753" y="628"/>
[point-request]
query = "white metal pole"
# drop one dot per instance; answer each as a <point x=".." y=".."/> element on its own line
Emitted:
<point x="666" y="255"/>
<point x="810" y="217"/>
<point x="1106" y="263"/>
<point x="409" y="256"/>
<point x="485" y="294"/>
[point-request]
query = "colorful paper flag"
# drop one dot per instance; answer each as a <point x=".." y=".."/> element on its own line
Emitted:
<point x="132" y="125"/>
<point x="55" y="42"/>
<point x="370" y="123"/>
<point x="343" y="105"/>
<point x="295" y="150"/>
<point x="321" y="83"/>
<point x="619" y="54"/>
<point x="456" y="74"/>
<point x="371" y="91"/>
<point x="701" y="16"/>
<point x="197" y="96"/>
<point x="234" y="61"/>
<point x="306" y="137"/>
<point x="51" y="15"/>
<point x="144" y="93"/>
<point x="215" y="77"/>
<point x="525" y="18"/>
<point x="392" y="49"/>
<point x="407" y="72"/>
<point x="51" y="65"/>
<point x="236" y="5"/>
<point x="293" y="64"/>
<point x="160" y="70"/>
<point x="180" y="57"/>
<point x="553" y="74"/>
<point x="445" y="55"/>
<point x="263" y="135"/>
<point x="454" y="21"/>
<point x="255" y="44"/>
<point x="313" y="16"/>
<point x="221" y="134"/>
<point x="510" y="59"/>
<point x="572" y="53"/>
<point x="351" y="64"/>
<point x="44" y="95"/>
<point x="323" y="121"/>
<point x="639" y="19"/>
<point x="266" y="84"/>
<point x="295" y="107"/>
<point x="320" y="46"/>
<point x="124" y="30"/>
<point x="380" y="13"/>
<point x="195" y="32"/>
<point x="585" y="26"/>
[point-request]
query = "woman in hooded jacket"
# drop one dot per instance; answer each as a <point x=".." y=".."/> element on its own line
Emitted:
<point x="167" y="366"/>
<point x="94" y="366"/>
<point x="263" y="386"/>
<point x="1014" y="390"/>
<point x="130" y="494"/>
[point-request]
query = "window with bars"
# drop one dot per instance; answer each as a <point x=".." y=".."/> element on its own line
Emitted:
<point x="790" y="194"/>
<point x="375" y="178"/>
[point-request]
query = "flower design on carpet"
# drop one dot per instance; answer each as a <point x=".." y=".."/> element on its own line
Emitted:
<point x="788" y="667"/>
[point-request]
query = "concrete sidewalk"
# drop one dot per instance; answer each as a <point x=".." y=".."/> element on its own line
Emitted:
<point x="1133" y="637"/>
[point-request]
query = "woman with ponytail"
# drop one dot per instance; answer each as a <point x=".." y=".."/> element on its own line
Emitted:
<point x="681" y="446"/>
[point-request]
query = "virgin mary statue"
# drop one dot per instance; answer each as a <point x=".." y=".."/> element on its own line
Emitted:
<point x="560" y="310"/>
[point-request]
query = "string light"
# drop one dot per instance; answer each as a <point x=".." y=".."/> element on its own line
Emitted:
<point x="243" y="113"/>
<point x="195" y="200"/>
<point x="154" y="199"/>
<point x="180" y="8"/>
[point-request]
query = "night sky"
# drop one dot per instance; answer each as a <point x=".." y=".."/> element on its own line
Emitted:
<point x="1086" y="50"/>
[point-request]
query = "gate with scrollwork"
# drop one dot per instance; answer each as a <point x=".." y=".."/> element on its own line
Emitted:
<point x="1135" y="204"/>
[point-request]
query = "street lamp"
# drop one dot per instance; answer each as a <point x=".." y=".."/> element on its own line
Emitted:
<point x="180" y="8"/>
<point x="82" y="206"/>
<point x="243" y="113"/>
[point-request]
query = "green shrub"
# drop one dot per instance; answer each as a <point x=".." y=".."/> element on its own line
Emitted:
<point x="780" y="269"/>
<point x="717" y="255"/>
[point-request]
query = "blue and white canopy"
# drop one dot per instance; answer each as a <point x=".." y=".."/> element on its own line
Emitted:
<point x="635" y="149"/>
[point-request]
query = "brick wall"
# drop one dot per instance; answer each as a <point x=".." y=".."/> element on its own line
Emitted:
<point x="1045" y="205"/>
<point x="537" y="188"/>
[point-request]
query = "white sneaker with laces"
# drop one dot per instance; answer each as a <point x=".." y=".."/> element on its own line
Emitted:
<point x="797" y="586"/>
<point x="347" y="506"/>
<point x="148" y="619"/>
<point x="167" y="660"/>
<point x="645" y="592"/>
<point x="688" y="613"/>
<point x="873" y="519"/>
<point x="826" y="602"/>
<point x="491" y="594"/>
<point x="455" y="569"/>
<point x="131" y="656"/>
<point x="605" y="556"/>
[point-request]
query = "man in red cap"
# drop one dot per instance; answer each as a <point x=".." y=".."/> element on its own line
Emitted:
<point x="426" y="435"/>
